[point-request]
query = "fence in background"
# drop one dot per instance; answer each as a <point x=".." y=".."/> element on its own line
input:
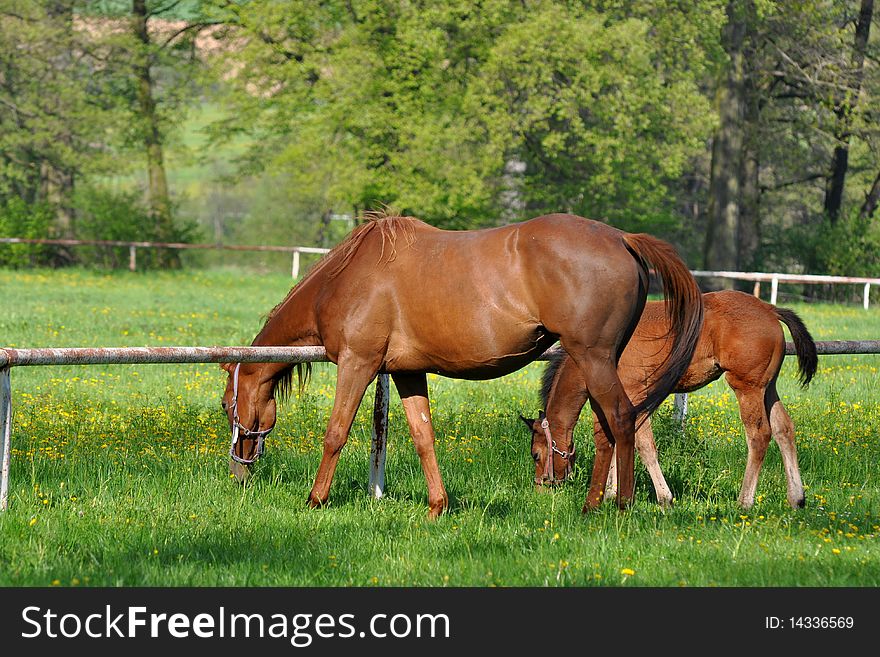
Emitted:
<point x="295" y="251"/>
<point x="134" y="246"/>
<point x="141" y="355"/>
<point x="775" y="279"/>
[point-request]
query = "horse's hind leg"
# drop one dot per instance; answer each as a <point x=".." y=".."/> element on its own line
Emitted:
<point x="757" y="425"/>
<point x="783" y="433"/>
<point x="413" y="389"/>
<point x="615" y="414"/>
<point x="352" y="379"/>
<point x="603" y="466"/>
<point x="647" y="450"/>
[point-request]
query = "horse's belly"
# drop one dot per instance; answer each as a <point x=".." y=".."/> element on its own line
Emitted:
<point x="463" y="359"/>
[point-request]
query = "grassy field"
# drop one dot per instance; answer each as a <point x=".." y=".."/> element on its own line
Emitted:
<point x="119" y="473"/>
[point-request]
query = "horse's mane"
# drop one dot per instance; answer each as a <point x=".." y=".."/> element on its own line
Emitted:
<point x="339" y="257"/>
<point x="390" y="226"/>
<point x="547" y="378"/>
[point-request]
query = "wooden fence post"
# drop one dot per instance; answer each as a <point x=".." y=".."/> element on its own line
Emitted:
<point x="6" y="427"/>
<point x="380" y="437"/>
<point x="774" y="289"/>
<point x="867" y="294"/>
<point x="132" y="258"/>
<point x="294" y="267"/>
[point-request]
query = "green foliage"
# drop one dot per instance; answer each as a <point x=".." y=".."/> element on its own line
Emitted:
<point x="601" y="131"/>
<point x="18" y="219"/>
<point x="120" y="216"/>
<point x="847" y="247"/>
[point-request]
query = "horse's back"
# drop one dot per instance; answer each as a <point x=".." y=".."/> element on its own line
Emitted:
<point x="464" y="302"/>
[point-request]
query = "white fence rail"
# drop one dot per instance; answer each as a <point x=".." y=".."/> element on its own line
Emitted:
<point x="179" y="246"/>
<point x="10" y="358"/>
<point x="775" y="279"/>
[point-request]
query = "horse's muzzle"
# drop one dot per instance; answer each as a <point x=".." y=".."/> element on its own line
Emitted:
<point x="240" y="471"/>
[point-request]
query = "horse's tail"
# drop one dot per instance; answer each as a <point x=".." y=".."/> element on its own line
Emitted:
<point x="804" y="345"/>
<point x="684" y="311"/>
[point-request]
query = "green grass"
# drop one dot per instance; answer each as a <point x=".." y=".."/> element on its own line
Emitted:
<point x="119" y="473"/>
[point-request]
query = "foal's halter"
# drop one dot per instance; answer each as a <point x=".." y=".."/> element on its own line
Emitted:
<point x="239" y="428"/>
<point x="549" y="472"/>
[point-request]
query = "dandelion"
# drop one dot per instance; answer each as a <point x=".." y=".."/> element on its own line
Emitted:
<point x="627" y="572"/>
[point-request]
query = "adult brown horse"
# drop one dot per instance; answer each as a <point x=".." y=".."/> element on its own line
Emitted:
<point x="403" y="297"/>
<point x="741" y="338"/>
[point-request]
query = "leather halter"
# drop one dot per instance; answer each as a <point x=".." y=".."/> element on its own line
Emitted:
<point x="239" y="428"/>
<point x="549" y="471"/>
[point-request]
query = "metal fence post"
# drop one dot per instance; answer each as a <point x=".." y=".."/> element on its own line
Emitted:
<point x="380" y="437"/>
<point x="681" y="407"/>
<point x="6" y="424"/>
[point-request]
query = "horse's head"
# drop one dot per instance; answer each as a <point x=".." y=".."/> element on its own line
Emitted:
<point x="552" y="464"/>
<point x="249" y="404"/>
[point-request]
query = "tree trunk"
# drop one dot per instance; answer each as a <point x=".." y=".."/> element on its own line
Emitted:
<point x="57" y="180"/>
<point x="720" y="248"/>
<point x="159" y="200"/>
<point x="844" y="110"/>
<point x="749" y="228"/>
<point x="871" y="200"/>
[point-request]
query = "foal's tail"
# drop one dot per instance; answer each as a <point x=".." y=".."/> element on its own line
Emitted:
<point x="684" y="311"/>
<point x="804" y="345"/>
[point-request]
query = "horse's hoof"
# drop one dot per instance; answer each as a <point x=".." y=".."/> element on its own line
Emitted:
<point x="436" y="510"/>
<point x="316" y="503"/>
<point x="240" y="471"/>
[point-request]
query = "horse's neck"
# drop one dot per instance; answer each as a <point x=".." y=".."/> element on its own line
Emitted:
<point x="291" y="324"/>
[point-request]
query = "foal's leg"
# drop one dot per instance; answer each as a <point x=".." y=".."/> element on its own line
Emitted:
<point x="783" y="433"/>
<point x="615" y="413"/>
<point x="757" y="426"/>
<point x="648" y="453"/>
<point x="352" y="379"/>
<point x="413" y="389"/>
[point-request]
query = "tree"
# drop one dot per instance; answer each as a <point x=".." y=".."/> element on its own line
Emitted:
<point x="845" y="104"/>
<point x="54" y="118"/>
<point x="725" y="190"/>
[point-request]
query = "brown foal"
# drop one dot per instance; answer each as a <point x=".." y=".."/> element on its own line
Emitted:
<point x="741" y="338"/>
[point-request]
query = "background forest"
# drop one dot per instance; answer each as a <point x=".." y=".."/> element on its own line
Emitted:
<point x="745" y="132"/>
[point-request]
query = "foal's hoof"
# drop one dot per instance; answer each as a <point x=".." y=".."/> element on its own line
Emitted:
<point x="240" y="471"/>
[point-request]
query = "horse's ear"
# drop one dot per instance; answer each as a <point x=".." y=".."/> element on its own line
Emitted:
<point x="530" y="423"/>
<point x="542" y="416"/>
<point x="227" y="366"/>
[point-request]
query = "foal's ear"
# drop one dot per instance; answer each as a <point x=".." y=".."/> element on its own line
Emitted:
<point x="227" y="366"/>
<point x="530" y="423"/>
<point x="542" y="416"/>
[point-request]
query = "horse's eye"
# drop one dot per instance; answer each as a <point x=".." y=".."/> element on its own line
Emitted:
<point x="223" y="404"/>
<point x="536" y="456"/>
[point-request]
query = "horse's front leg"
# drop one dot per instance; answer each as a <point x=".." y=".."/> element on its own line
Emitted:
<point x="353" y="375"/>
<point x="413" y="389"/>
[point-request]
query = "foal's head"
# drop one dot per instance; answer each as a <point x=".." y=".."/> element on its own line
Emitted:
<point x="552" y="464"/>
<point x="249" y="403"/>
